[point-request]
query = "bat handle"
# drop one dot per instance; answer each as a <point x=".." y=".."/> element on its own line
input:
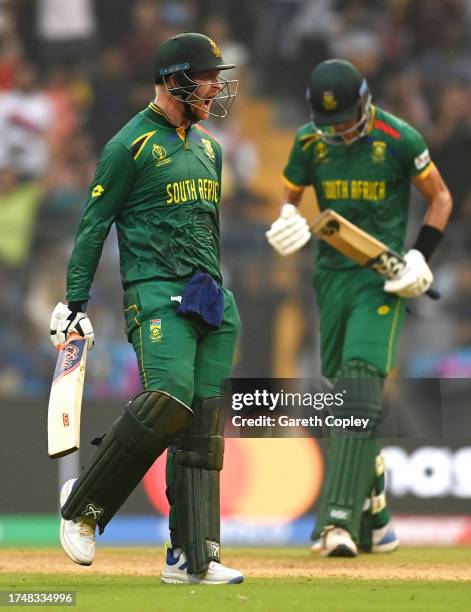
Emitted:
<point x="434" y="294"/>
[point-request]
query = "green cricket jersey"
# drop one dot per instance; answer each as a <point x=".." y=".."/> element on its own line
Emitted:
<point x="161" y="186"/>
<point x="368" y="182"/>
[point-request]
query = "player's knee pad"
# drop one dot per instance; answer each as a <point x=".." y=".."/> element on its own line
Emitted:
<point x="149" y="423"/>
<point x="361" y="387"/>
<point x="198" y="461"/>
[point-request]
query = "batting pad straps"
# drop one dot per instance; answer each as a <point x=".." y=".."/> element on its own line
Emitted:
<point x="361" y="386"/>
<point x="198" y="461"/>
<point x="202" y="452"/>
<point x="150" y="422"/>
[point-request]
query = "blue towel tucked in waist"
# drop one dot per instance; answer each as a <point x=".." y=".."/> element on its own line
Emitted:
<point x="204" y="298"/>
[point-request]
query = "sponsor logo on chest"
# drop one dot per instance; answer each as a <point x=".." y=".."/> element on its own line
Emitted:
<point x="354" y="190"/>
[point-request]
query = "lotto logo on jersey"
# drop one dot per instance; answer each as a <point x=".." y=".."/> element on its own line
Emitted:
<point x="98" y="190"/>
<point x="155" y="330"/>
<point x="422" y="160"/>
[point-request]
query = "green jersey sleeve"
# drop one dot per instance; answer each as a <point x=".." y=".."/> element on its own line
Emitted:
<point x="108" y="191"/>
<point x="415" y="153"/>
<point x="296" y="172"/>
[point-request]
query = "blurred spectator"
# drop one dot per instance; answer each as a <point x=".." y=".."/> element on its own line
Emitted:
<point x="144" y="40"/>
<point x="18" y="206"/>
<point x="240" y="159"/>
<point x="217" y="28"/>
<point x="111" y="96"/>
<point x="10" y="47"/>
<point x="65" y="194"/>
<point x="402" y="95"/>
<point x="26" y="115"/>
<point x="438" y="33"/>
<point x="64" y="108"/>
<point x="450" y="141"/>
<point x="66" y="31"/>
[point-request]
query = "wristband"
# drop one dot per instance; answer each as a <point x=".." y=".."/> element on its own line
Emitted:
<point x="428" y="240"/>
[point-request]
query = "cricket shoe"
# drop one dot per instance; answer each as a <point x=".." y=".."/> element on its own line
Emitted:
<point x="175" y="572"/>
<point x="337" y="542"/>
<point x="384" y="540"/>
<point x="316" y="546"/>
<point x="78" y="535"/>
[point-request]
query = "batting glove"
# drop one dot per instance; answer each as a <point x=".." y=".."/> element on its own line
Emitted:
<point x="414" y="279"/>
<point x="289" y="232"/>
<point x="65" y="322"/>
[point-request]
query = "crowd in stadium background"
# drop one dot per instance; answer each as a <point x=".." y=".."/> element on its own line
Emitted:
<point x="71" y="73"/>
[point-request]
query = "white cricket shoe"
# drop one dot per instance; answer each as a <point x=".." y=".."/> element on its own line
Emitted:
<point x="77" y="536"/>
<point x="316" y="546"/>
<point x="337" y="542"/>
<point x="175" y="572"/>
<point x="384" y="540"/>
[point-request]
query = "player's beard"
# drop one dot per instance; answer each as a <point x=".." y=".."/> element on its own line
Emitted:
<point x="196" y="113"/>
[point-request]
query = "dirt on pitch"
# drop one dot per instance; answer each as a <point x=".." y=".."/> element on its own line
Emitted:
<point x="148" y="562"/>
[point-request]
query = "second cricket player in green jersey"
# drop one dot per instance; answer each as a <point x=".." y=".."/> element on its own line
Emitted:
<point x="367" y="182"/>
<point x="361" y="162"/>
<point x="161" y="185"/>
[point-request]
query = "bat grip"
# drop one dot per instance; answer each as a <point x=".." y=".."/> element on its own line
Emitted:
<point x="434" y="294"/>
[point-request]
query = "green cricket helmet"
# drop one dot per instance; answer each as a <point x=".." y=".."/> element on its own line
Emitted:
<point x="338" y="94"/>
<point x="189" y="53"/>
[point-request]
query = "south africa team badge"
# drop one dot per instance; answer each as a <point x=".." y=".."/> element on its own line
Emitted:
<point x="155" y="330"/>
<point x="208" y="148"/>
<point x="378" y="152"/>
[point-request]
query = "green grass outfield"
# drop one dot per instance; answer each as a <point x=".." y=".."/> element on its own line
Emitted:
<point x="422" y="579"/>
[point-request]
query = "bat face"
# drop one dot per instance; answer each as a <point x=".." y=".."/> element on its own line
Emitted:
<point x="65" y="400"/>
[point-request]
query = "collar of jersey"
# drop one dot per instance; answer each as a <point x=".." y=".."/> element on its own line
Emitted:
<point x="154" y="113"/>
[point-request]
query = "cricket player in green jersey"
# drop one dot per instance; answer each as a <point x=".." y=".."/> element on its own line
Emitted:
<point x="361" y="162"/>
<point x="159" y="181"/>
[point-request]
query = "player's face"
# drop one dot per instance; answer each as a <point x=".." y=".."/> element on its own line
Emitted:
<point x="347" y="130"/>
<point x="202" y="98"/>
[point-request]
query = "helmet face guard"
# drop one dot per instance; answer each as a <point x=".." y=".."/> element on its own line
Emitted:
<point x="186" y="91"/>
<point x="356" y="131"/>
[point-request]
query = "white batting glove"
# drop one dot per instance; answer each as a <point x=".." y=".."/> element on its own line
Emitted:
<point x="415" y="279"/>
<point x="289" y="232"/>
<point x="65" y="322"/>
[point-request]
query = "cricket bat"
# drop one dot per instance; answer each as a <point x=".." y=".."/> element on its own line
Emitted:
<point x="361" y="247"/>
<point x="65" y="400"/>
